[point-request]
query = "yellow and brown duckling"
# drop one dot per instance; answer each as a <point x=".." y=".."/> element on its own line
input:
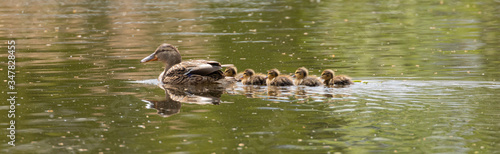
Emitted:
<point x="231" y="73"/>
<point x="250" y="78"/>
<point x="191" y="72"/>
<point x="331" y="79"/>
<point x="302" y="78"/>
<point x="275" y="79"/>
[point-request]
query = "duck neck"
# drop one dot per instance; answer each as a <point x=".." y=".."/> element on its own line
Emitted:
<point x="171" y="59"/>
<point x="167" y="67"/>
<point x="268" y="81"/>
<point x="327" y="82"/>
<point x="298" y="81"/>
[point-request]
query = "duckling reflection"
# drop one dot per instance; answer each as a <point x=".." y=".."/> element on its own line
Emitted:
<point x="253" y="91"/>
<point x="176" y="95"/>
<point x="273" y="91"/>
<point x="279" y="93"/>
<point x="300" y="93"/>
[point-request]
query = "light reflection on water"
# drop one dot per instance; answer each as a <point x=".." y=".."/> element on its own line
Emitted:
<point x="381" y="113"/>
<point x="431" y="68"/>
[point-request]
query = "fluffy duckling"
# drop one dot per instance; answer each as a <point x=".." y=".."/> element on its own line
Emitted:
<point x="190" y="72"/>
<point x="230" y="72"/>
<point x="250" y="78"/>
<point x="275" y="79"/>
<point x="339" y="80"/>
<point x="302" y="78"/>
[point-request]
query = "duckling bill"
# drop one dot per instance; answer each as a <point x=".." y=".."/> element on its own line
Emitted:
<point x="184" y="72"/>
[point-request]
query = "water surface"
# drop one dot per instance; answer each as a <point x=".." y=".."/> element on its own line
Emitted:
<point x="430" y="72"/>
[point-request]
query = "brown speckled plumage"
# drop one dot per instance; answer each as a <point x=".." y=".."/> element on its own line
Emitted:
<point x="250" y="78"/>
<point x="302" y="78"/>
<point x="332" y="79"/>
<point x="275" y="79"/>
<point x="190" y="72"/>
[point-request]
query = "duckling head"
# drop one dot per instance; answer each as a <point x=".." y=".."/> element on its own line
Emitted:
<point x="301" y="73"/>
<point x="271" y="74"/>
<point x="327" y="74"/>
<point x="248" y="73"/>
<point x="165" y="53"/>
<point x="230" y="71"/>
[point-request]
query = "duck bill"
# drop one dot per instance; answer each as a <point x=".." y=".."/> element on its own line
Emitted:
<point x="149" y="58"/>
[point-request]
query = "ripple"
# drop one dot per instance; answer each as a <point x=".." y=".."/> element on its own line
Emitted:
<point x="200" y="34"/>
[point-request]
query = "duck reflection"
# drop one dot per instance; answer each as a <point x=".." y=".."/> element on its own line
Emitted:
<point x="176" y="95"/>
<point x="300" y="92"/>
<point x="279" y="92"/>
<point x="253" y="91"/>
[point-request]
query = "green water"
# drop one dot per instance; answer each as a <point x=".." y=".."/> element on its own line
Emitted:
<point x="430" y="70"/>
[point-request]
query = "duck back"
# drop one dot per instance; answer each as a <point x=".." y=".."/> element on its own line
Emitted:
<point x="342" y="80"/>
<point x="255" y="80"/>
<point x="194" y="72"/>
<point x="281" y="81"/>
<point x="310" y="81"/>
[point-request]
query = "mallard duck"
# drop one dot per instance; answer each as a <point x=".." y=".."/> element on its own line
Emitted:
<point x="230" y="73"/>
<point x="250" y="78"/>
<point x="302" y="78"/>
<point x="187" y="72"/>
<point x="275" y="79"/>
<point x="332" y="79"/>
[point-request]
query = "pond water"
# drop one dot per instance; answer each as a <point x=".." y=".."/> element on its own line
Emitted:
<point x="430" y="72"/>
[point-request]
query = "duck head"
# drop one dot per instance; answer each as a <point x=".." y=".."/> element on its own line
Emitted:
<point x="327" y="74"/>
<point x="271" y="74"/>
<point x="165" y="53"/>
<point x="301" y="73"/>
<point x="248" y="73"/>
<point x="230" y="71"/>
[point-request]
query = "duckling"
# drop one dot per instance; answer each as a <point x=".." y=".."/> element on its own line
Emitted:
<point x="275" y="79"/>
<point x="339" y="80"/>
<point x="230" y="73"/>
<point x="250" y="78"/>
<point x="192" y="72"/>
<point x="302" y="78"/>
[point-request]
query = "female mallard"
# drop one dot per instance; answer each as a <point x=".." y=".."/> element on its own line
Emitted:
<point x="275" y="79"/>
<point x="230" y="74"/>
<point x="339" y="80"/>
<point x="303" y="79"/>
<point x="187" y="72"/>
<point x="250" y="78"/>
